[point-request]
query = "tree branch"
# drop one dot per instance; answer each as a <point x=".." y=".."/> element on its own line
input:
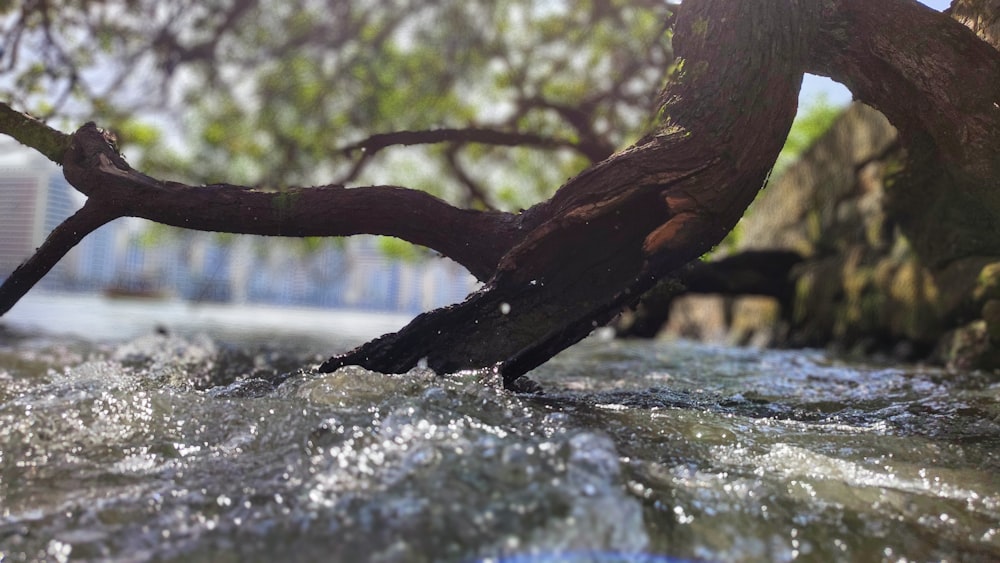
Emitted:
<point x="474" y="239"/>
<point x="591" y="145"/>
<point x="59" y="242"/>
<point x="608" y="234"/>
<point x="381" y="141"/>
<point x="944" y="99"/>
<point x="474" y="192"/>
<point x="31" y="132"/>
<point x="477" y="240"/>
<point x="951" y="79"/>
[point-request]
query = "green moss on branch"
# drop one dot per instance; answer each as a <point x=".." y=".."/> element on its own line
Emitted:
<point x="33" y="133"/>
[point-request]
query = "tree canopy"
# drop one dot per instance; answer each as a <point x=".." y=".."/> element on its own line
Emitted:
<point x="525" y="93"/>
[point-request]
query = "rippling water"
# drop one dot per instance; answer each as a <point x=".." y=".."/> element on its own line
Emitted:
<point x="182" y="446"/>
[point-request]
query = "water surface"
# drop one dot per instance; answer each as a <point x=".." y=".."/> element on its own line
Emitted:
<point x="213" y="440"/>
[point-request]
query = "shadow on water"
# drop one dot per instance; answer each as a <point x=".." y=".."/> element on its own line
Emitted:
<point x="185" y="447"/>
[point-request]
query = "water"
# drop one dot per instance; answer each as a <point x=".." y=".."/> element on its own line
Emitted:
<point x="191" y="447"/>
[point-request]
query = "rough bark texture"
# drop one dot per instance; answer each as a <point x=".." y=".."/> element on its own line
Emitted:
<point x="938" y="84"/>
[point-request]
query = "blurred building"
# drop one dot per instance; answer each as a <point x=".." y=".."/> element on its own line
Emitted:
<point x="34" y="201"/>
<point x="131" y="257"/>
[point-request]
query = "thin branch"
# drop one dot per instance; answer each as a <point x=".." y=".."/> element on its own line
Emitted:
<point x="475" y="192"/>
<point x="381" y="141"/>
<point x="591" y="145"/>
<point x="356" y="170"/>
<point x="59" y="242"/>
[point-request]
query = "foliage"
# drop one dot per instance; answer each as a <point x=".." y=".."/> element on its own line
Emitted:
<point x="269" y="94"/>
<point x="811" y="123"/>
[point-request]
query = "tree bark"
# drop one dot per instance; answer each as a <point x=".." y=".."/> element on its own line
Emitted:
<point x="939" y="84"/>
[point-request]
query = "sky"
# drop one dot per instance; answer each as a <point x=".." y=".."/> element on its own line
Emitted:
<point x="835" y="93"/>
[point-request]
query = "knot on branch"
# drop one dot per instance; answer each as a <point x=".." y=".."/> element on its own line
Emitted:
<point x="90" y="141"/>
<point x="91" y="148"/>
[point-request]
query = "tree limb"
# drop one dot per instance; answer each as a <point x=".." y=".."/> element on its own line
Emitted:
<point x="31" y="132"/>
<point x="474" y="239"/>
<point x="944" y="98"/>
<point x="612" y="231"/>
<point x="381" y="141"/>
<point x="63" y="238"/>
<point x="475" y="193"/>
<point x="591" y="145"/>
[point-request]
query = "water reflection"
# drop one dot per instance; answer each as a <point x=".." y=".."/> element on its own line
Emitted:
<point x="189" y="447"/>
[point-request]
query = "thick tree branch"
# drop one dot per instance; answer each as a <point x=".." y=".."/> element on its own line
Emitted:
<point x="951" y="79"/>
<point x="944" y="98"/>
<point x="477" y="240"/>
<point x="59" y="242"/>
<point x="611" y="232"/>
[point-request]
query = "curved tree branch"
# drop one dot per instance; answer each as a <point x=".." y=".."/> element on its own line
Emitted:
<point x="97" y="170"/>
<point x="944" y="97"/>
<point x="951" y="79"/>
<point x="608" y="234"/>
